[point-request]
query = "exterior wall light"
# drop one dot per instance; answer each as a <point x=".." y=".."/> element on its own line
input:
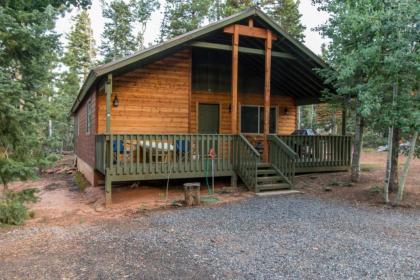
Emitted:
<point x="115" y="102"/>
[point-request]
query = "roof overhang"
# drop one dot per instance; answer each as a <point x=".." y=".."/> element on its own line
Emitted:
<point x="145" y="56"/>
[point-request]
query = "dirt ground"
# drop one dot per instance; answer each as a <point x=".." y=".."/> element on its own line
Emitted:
<point x="61" y="201"/>
<point x="369" y="190"/>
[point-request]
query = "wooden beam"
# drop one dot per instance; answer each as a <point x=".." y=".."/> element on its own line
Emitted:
<point x="267" y="89"/>
<point x="245" y="30"/>
<point x="190" y="90"/>
<point x="251" y="23"/>
<point x="241" y="49"/>
<point x="234" y="87"/>
<point x="108" y="90"/>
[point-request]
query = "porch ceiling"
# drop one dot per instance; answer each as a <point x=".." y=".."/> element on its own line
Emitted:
<point x="295" y="77"/>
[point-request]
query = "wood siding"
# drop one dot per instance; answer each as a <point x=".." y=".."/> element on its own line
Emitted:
<point x="286" y="123"/>
<point x="85" y="142"/>
<point x="157" y="98"/>
<point x="152" y="99"/>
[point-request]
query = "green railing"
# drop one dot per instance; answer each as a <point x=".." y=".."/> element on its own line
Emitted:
<point x="158" y="156"/>
<point x="246" y="161"/>
<point x="282" y="159"/>
<point x="320" y="153"/>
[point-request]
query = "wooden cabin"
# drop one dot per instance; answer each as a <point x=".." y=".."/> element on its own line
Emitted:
<point x="218" y="99"/>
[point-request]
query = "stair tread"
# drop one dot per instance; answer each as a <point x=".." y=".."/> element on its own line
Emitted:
<point x="263" y="165"/>
<point x="274" y="186"/>
<point x="266" y="171"/>
<point x="269" y="179"/>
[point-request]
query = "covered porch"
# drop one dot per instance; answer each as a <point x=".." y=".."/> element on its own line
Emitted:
<point x="244" y="83"/>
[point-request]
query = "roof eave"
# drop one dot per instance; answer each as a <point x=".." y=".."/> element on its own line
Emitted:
<point x="90" y="80"/>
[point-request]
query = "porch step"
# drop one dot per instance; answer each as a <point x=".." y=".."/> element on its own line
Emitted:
<point x="268" y="179"/>
<point x="277" y="186"/>
<point x="264" y="165"/>
<point x="266" y="172"/>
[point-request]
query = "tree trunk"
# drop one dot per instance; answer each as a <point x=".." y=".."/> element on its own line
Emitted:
<point x="388" y="164"/>
<point x="393" y="178"/>
<point x="357" y="148"/>
<point x="406" y="167"/>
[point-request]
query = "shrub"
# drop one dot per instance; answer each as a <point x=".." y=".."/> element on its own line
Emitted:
<point x="81" y="181"/>
<point x="12" y="207"/>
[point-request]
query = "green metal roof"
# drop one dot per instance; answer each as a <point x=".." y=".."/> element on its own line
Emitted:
<point x="184" y="40"/>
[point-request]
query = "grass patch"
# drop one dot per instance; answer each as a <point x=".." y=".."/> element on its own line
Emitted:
<point x="209" y="199"/>
<point x="334" y="183"/>
<point x="80" y="181"/>
<point x="376" y="190"/>
<point x="12" y="206"/>
<point x="365" y="167"/>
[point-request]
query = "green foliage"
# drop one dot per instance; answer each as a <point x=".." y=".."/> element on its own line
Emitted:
<point x="376" y="190"/>
<point x="374" y="51"/>
<point x="81" y="181"/>
<point x="181" y="16"/>
<point x="78" y="58"/>
<point x="28" y="55"/>
<point x="286" y="13"/>
<point x="122" y="18"/>
<point x="373" y="139"/>
<point x="12" y="207"/>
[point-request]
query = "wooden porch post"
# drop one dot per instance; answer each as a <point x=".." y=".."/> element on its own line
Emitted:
<point x="108" y="91"/>
<point x="343" y="121"/>
<point x="108" y="182"/>
<point x="234" y="86"/>
<point x="268" y="43"/>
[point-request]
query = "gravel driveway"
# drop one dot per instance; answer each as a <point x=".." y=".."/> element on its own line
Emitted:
<point x="288" y="237"/>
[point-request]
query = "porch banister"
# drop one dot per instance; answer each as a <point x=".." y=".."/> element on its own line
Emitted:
<point x="267" y="75"/>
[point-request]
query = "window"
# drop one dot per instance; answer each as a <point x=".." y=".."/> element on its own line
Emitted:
<point x="252" y="119"/>
<point x="76" y="124"/>
<point x="89" y="116"/>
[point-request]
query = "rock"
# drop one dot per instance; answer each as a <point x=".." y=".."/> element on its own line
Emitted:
<point x="327" y="189"/>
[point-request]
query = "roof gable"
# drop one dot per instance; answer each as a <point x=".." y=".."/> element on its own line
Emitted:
<point x="185" y="40"/>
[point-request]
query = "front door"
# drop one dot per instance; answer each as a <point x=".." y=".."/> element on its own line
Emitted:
<point x="208" y="118"/>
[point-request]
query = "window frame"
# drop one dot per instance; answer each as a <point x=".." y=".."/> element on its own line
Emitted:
<point x="260" y="108"/>
<point x="89" y="116"/>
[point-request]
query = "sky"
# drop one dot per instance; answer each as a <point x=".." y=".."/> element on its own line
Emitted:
<point x="311" y="18"/>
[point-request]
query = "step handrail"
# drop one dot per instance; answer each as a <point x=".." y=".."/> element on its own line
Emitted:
<point x="282" y="159"/>
<point x="252" y="148"/>
<point x="246" y="162"/>
<point x="286" y="147"/>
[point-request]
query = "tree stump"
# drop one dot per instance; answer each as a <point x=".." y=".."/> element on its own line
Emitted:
<point x="192" y="194"/>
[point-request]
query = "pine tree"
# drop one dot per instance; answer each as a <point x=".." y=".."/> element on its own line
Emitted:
<point x="374" y="55"/>
<point x="78" y="59"/>
<point x="142" y="11"/>
<point x="182" y="16"/>
<point x="286" y="14"/>
<point x="80" y="49"/>
<point x="123" y="17"/>
<point x="118" y="39"/>
<point x="28" y="55"/>
<point x="231" y="7"/>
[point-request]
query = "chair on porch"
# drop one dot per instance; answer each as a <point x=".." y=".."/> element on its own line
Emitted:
<point x="182" y="148"/>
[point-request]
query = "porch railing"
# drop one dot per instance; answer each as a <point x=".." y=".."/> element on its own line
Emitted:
<point x="155" y="156"/>
<point x="282" y="159"/>
<point x="246" y="161"/>
<point x="320" y="153"/>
